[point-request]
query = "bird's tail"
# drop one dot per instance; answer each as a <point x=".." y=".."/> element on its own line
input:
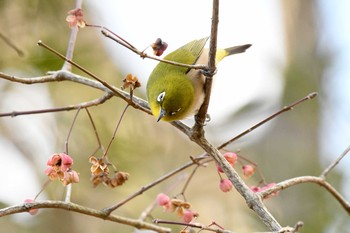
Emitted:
<point x="230" y="51"/>
<point x="237" y="49"/>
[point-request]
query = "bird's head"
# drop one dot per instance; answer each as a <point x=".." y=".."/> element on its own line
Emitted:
<point x="170" y="97"/>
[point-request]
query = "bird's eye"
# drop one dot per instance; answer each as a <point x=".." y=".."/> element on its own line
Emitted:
<point x="161" y="97"/>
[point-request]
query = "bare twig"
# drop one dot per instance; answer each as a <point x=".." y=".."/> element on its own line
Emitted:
<point x="71" y="41"/>
<point x="328" y="169"/>
<point x="100" y="147"/>
<point x="209" y="72"/>
<point x="308" y="179"/>
<point x="68" y="192"/>
<point x="70" y="131"/>
<point x="153" y="205"/>
<point x="107" y="85"/>
<point x="142" y="54"/>
<point x="193" y="225"/>
<point x="95" y="102"/>
<point x="83" y="210"/>
<point x="115" y="131"/>
<point x="108" y="210"/>
<point x="284" y="109"/>
<point x="12" y="45"/>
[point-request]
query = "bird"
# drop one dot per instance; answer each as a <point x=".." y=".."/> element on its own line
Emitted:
<point x="177" y="92"/>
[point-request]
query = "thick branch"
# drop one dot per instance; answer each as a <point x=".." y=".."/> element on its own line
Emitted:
<point x="83" y="210"/>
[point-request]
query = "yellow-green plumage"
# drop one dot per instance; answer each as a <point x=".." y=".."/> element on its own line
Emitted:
<point x="175" y="92"/>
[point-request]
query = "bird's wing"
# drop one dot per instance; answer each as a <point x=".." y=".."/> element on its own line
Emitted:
<point x="189" y="53"/>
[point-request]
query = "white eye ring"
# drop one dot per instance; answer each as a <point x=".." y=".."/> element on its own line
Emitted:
<point x="161" y="97"/>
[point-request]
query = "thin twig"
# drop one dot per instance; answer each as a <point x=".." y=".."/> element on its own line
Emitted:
<point x="107" y="85"/>
<point x="284" y="109"/>
<point x="307" y="179"/>
<point x="12" y="45"/>
<point x="328" y="169"/>
<point x="127" y="45"/>
<point x="193" y="225"/>
<point x="70" y="131"/>
<point x="68" y="192"/>
<point x="110" y="209"/>
<point x="209" y="73"/>
<point x="72" y="40"/>
<point x="95" y="131"/>
<point x="115" y="131"/>
<point x="188" y="181"/>
<point x="153" y="205"/>
<point x="95" y="102"/>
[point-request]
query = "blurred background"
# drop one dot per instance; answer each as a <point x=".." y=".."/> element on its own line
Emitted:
<point x="298" y="47"/>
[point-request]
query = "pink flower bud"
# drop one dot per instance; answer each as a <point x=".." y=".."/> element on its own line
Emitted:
<point x="231" y="158"/>
<point x="248" y="170"/>
<point x="163" y="199"/>
<point x="70" y="176"/>
<point x="225" y="185"/>
<point x="31" y="211"/>
<point x="219" y="168"/>
<point x="255" y="189"/>
<point x="188" y="216"/>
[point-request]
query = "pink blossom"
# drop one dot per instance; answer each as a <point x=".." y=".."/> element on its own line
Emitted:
<point x="59" y="168"/>
<point x="225" y="185"/>
<point x="76" y="18"/>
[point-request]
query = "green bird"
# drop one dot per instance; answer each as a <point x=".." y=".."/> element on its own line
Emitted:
<point x="176" y="92"/>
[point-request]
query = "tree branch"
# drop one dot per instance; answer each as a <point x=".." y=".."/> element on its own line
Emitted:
<point x="83" y="210"/>
<point x="154" y="183"/>
<point x="106" y="32"/>
<point x="283" y="110"/>
<point x="209" y="73"/>
<point x="308" y="179"/>
<point x="88" y="104"/>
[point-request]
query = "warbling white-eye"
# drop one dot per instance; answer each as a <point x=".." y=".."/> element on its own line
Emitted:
<point x="175" y="92"/>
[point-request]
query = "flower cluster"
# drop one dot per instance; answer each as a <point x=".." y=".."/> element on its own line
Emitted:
<point x="100" y="174"/>
<point x="182" y="208"/>
<point x="59" y="168"/>
<point x="232" y="158"/>
<point x="76" y="18"/>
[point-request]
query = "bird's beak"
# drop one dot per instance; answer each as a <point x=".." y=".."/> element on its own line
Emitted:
<point x="161" y="114"/>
